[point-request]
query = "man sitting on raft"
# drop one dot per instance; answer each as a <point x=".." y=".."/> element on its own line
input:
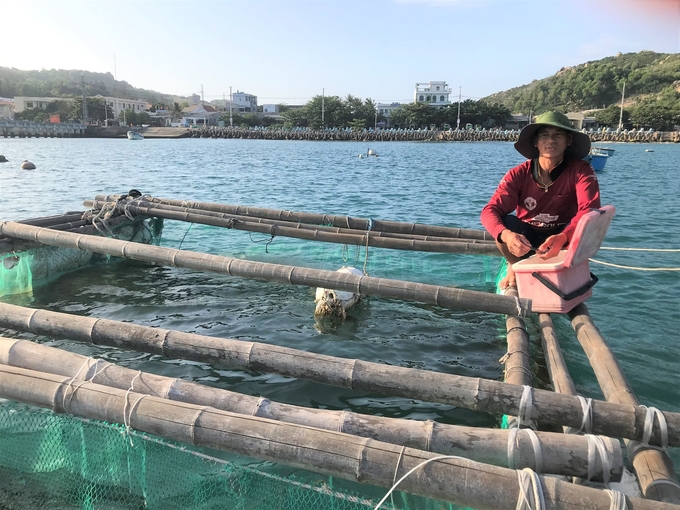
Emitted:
<point x="549" y="193"/>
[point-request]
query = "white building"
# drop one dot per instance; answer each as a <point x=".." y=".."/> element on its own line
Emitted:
<point x="386" y="109"/>
<point x="270" y="108"/>
<point x="435" y="92"/>
<point x="200" y="115"/>
<point x="118" y="105"/>
<point x="245" y="102"/>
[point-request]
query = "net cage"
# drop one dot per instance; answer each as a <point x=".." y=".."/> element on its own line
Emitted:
<point x="56" y="461"/>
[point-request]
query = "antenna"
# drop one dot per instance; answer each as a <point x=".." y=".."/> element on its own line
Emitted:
<point x="82" y="84"/>
<point x="115" y="74"/>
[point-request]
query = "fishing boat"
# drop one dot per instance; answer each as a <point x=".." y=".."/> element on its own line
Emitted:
<point x="135" y="135"/>
<point x="597" y="158"/>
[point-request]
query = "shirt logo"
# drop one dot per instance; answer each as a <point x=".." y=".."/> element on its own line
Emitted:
<point x="530" y="203"/>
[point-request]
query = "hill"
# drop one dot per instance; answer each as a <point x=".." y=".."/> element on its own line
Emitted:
<point x="69" y="83"/>
<point x="649" y="76"/>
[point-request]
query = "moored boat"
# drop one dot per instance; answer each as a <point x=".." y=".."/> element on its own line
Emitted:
<point x="135" y="135"/>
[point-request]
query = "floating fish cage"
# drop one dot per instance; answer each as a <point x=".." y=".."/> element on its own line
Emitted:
<point x="81" y="431"/>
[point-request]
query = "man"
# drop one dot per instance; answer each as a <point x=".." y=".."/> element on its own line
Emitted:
<point x="548" y="193"/>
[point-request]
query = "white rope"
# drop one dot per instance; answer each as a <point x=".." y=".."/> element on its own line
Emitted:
<point x="634" y="267"/>
<point x="535" y="443"/>
<point x="126" y="419"/>
<point x="649" y="426"/>
<point x="72" y="380"/>
<point x="525" y="407"/>
<point x="530" y="491"/>
<point x="587" y="410"/>
<point x="640" y="249"/>
<point x="595" y="446"/>
<point x="396" y="470"/>
<point x="618" y="500"/>
<point x="395" y="485"/>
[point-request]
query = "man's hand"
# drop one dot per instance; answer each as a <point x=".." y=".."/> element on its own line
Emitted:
<point x="517" y="243"/>
<point x="552" y="246"/>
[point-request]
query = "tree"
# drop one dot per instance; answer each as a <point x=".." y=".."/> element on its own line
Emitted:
<point x="610" y="116"/>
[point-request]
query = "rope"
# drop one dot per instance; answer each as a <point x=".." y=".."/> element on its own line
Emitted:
<point x="396" y="470"/>
<point x="535" y="444"/>
<point x="596" y="445"/>
<point x="618" y="500"/>
<point x="126" y="419"/>
<point x="634" y="268"/>
<point x="395" y="485"/>
<point x="662" y="481"/>
<point x="587" y="421"/>
<point x="649" y="426"/>
<point x="525" y="407"/>
<point x="641" y="249"/>
<point x="184" y="236"/>
<point x="530" y="491"/>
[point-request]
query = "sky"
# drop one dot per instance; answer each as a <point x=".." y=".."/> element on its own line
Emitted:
<point x="288" y="51"/>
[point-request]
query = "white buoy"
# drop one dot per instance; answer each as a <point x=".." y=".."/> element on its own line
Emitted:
<point x="27" y="165"/>
<point x="337" y="302"/>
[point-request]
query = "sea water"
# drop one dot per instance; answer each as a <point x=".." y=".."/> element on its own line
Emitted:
<point x="447" y="184"/>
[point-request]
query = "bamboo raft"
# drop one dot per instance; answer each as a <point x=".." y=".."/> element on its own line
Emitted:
<point x="478" y="468"/>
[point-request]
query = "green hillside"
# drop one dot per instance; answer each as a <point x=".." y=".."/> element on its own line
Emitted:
<point x="68" y="83"/>
<point x="652" y="83"/>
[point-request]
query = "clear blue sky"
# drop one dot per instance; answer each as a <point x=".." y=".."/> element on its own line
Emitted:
<point x="287" y="51"/>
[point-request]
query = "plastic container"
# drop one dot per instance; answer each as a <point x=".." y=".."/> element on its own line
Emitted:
<point x="562" y="282"/>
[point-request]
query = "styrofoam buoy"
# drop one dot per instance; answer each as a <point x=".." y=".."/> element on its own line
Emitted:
<point x="27" y="165"/>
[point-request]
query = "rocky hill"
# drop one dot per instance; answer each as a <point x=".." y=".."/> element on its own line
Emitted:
<point x="598" y="84"/>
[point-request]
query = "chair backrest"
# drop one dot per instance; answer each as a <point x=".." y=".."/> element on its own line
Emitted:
<point x="589" y="235"/>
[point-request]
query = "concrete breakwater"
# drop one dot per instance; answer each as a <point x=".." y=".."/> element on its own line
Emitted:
<point x="387" y="135"/>
<point x="24" y="129"/>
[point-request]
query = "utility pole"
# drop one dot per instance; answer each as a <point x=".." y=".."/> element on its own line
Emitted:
<point x="231" y="100"/>
<point x="323" y="105"/>
<point x="376" y="119"/>
<point x="82" y="84"/>
<point x="115" y="74"/>
<point x="202" y="98"/>
<point x="623" y="93"/>
<point x="460" y="90"/>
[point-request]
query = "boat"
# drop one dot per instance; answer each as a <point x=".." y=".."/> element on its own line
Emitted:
<point x="606" y="151"/>
<point x="597" y="158"/>
<point x="135" y="135"/>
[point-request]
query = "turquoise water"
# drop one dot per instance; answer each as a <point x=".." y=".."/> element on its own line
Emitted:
<point x="437" y="183"/>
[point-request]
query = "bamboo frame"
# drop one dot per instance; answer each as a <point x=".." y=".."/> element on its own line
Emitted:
<point x="458" y="481"/>
<point x="448" y="297"/>
<point x="609" y="419"/>
<point x="307" y="231"/>
<point x="653" y="467"/>
<point x="322" y="219"/>
<point x="560" y="454"/>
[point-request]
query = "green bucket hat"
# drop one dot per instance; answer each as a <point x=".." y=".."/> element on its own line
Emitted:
<point x="580" y="145"/>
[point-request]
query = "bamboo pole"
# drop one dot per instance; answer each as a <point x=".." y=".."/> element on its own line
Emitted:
<point x="609" y="419"/>
<point x="517" y="360"/>
<point x="654" y="468"/>
<point x="448" y="297"/>
<point x="559" y="454"/>
<point x="145" y="203"/>
<point x="459" y="481"/>
<point x="557" y="368"/>
<point x="322" y="219"/>
<point x="315" y="233"/>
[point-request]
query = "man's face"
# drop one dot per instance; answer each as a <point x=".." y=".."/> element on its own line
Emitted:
<point x="551" y="142"/>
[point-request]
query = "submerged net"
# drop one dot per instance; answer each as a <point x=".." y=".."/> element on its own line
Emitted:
<point x="53" y="461"/>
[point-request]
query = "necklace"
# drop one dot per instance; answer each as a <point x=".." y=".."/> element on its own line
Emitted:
<point x="539" y="178"/>
<point x="544" y="187"/>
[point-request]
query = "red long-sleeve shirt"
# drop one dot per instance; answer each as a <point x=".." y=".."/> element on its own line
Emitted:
<point x="572" y="194"/>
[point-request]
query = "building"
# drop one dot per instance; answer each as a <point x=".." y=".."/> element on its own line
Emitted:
<point x="22" y="103"/>
<point x="270" y="108"/>
<point x="579" y="120"/>
<point x="519" y="120"/>
<point x="6" y="109"/>
<point x="201" y="115"/>
<point x="245" y="102"/>
<point x="118" y="105"/>
<point x="386" y="109"/>
<point x="435" y="92"/>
